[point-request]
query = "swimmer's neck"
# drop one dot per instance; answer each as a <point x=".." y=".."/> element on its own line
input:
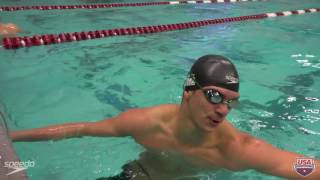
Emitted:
<point x="189" y="134"/>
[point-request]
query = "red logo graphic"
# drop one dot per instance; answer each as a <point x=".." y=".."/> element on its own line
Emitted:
<point x="304" y="166"/>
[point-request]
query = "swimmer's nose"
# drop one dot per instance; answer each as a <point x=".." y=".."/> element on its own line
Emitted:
<point x="221" y="109"/>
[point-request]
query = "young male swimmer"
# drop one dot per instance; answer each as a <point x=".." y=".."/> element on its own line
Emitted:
<point x="8" y="30"/>
<point x="181" y="140"/>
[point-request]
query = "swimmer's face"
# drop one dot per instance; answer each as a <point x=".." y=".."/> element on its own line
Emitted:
<point x="208" y="114"/>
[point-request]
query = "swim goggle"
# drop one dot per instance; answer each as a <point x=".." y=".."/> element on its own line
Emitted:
<point x="212" y="95"/>
<point x="215" y="97"/>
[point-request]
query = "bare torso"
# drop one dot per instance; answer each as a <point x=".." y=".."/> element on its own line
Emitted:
<point x="167" y="157"/>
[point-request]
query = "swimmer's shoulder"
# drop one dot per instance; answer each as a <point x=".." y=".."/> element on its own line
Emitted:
<point x="234" y="139"/>
<point x="243" y="138"/>
<point x="243" y="141"/>
<point x="165" y="113"/>
<point x="235" y="150"/>
<point x="153" y="114"/>
<point x="155" y="111"/>
<point x="151" y="120"/>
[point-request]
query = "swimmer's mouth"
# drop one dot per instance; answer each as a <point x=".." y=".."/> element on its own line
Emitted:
<point x="213" y="121"/>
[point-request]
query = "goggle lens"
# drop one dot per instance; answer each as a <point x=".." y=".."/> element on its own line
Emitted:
<point x="216" y="97"/>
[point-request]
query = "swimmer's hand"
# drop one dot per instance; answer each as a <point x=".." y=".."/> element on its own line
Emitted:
<point x="9" y="30"/>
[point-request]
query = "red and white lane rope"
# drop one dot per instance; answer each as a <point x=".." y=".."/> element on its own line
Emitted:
<point x="94" y="6"/>
<point x="46" y="39"/>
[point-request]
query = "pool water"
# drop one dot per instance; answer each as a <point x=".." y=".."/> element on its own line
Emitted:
<point x="278" y="60"/>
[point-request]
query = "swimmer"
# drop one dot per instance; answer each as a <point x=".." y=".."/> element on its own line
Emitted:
<point x="8" y="30"/>
<point x="184" y="139"/>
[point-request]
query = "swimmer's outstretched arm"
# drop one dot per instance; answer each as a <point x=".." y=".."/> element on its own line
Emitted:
<point x="54" y="132"/>
<point x="125" y="124"/>
<point x="268" y="159"/>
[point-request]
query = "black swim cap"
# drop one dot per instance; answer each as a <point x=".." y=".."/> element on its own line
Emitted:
<point x="213" y="70"/>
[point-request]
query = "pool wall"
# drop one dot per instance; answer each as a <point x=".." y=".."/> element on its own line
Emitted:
<point x="7" y="153"/>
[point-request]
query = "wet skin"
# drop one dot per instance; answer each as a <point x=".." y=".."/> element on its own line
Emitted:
<point x="183" y="140"/>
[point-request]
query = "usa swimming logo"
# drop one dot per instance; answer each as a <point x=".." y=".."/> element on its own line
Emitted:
<point x="304" y="166"/>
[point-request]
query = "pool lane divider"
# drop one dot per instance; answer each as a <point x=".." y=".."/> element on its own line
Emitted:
<point x="95" y="6"/>
<point x="47" y="39"/>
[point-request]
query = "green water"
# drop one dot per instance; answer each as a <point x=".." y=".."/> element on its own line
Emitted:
<point x="277" y="59"/>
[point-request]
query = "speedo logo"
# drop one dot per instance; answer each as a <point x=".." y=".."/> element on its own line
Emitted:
<point x="232" y="79"/>
<point x="190" y="80"/>
<point x="17" y="166"/>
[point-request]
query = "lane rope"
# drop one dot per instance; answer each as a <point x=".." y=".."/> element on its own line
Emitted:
<point x="95" y="6"/>
<point x="47" y="39"/>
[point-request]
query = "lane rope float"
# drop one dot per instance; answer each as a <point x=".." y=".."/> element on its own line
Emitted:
<point x="95" y="6"/>
<point x="47" y="39"/>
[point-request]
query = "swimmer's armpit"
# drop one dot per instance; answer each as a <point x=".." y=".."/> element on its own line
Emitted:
<point x="9" y="30"/>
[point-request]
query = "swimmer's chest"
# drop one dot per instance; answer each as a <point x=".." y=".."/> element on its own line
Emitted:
<point x="167" y="153"/>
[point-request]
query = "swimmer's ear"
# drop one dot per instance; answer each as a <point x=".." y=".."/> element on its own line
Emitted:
<point x="187" y="95"/>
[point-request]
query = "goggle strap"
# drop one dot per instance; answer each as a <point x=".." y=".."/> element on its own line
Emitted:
<point x="191" y="88"/>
